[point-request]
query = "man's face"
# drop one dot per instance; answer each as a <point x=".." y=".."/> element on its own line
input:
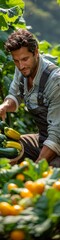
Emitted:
<point x="25" y="61"/>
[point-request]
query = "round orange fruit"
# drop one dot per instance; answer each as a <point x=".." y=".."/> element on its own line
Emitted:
<point x="25" y="193"/>
<point x="16" y="209"/>
<point x="11" y="186"/>
<point x="56" y="185"/>
<point x="20" y="177"/>
<point x="5" y="208"/>
<point x="17" y="235"/>
<point x="24" y="163"/>
<point x="40" y="186"/>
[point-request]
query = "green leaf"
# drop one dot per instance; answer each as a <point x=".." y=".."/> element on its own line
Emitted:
<point x="56" y="209"/>
<point x="3" y="24"/>
<point x="10" y="222"/>
<point x="44" y="46"/>
<point x="1" y="225"/>
<point x="41" y="202"/>
<point x="42" y="166"/>
<point x="35" y="170"/>
<point x="13" y="3"/>
<point x="41" y="229"/>
<point x="32" y="172"/>
<point x="15" y="11"/>
<point x="55" y="174"/>
<point x="52" y="200"/>
<point x="4" y="163"/>
<point x="2" y="56"/>
<point x="56" y="50"/>
<point x="5" y="197"/>
<point x="58" y="1"/>
<point x="3" y="36"/>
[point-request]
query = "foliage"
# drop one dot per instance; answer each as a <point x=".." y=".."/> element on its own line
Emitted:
<point x="40" y="215"/>
<point x="11" y="18"/>
<point x="58" y="1"/>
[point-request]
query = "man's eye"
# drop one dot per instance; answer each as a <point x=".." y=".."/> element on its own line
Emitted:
<point x="15" y="60"/>
<point x="25" y="59"/>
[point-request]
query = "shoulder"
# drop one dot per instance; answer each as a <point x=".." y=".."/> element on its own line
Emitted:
<point x="52" y="86"/>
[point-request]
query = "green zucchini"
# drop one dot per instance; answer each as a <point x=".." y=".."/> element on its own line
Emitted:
<point x="2" y="125"/>
<point x="2" y="137"/>
<point x="9" y="152"/>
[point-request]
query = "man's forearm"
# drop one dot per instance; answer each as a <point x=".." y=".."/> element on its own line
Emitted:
<point x="10" y="105"/>
<point x="46" y="153"/>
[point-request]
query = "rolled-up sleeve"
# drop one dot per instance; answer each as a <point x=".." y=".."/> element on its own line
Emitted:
<point x="14" y="92"/>
<point x="53" y="116"/>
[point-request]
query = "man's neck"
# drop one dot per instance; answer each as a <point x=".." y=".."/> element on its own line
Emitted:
<point x="31" y="77"/>
<point x="29" y="83"/>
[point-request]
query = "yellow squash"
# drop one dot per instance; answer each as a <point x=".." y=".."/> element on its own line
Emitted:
<point x="11" y="133"/>
<point x="14" y="144"/>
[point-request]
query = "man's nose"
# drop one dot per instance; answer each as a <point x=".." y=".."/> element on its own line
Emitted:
<point x="21" y="64"/>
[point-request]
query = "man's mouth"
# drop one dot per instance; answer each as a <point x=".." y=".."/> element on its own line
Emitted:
<point x="24" y="71"/>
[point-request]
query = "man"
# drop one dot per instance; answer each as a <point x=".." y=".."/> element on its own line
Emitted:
<point x="44" y="106"/>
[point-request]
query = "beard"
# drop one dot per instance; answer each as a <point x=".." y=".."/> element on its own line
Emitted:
<point x="30" y="72"/>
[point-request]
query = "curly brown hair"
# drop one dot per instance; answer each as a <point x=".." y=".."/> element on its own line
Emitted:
<point x="19" y="38"/>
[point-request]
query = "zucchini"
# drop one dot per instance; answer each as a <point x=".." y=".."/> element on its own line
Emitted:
<point x="2" y="125"/>
<point x="9" y="152"/>
<point x="2" y="137"/>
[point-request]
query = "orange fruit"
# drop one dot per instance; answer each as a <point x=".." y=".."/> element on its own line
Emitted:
<point x="56" y="185"/>
<point x="45" y="174"/>
<point x="24" y="163"/>
<point x="25" y="193"/>
<point x="12" y="186"/>
<point x="5" y="208"/>
<point x="48" y="172"/>
<point x="40" y="186"/>
<point x="17" y="235"/>
<point x="16" y="209"/>
<point x="31" y="186"/>
<point x="20" y="177"/>
<point x="36" y="187"/>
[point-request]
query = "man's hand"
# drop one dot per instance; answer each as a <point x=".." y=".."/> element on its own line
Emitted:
<point x="46" y="153"/>
<point x="8" y="105"/>
<point x="3" y="111"/>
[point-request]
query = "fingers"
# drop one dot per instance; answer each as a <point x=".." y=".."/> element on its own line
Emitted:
<point x="38" y="159"/>
<point x="2" y="113"/>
